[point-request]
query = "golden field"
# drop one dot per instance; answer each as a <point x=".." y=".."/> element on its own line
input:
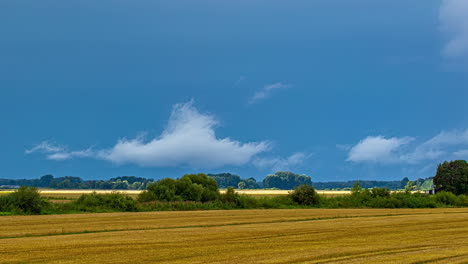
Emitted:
<point x="240" y="236"/>
<point x="74" y="194"/>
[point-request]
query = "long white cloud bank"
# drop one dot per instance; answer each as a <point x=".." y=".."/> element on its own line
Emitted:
<point x="390" y="150"/>
<point x="453" y="17"/>
<point x="189" y="139"/>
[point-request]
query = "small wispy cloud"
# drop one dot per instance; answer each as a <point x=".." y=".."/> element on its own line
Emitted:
<point x="266" y="91"/>
<point x="45" y="147"/>
<point x="281" y="164"/>
<point x="238" y="81"/>
<point x="453" y="17"/>
<point x="56" y="152"/>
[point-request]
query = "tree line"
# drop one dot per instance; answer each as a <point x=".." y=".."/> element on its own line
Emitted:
<point x="450" y="176"/>
<point x="71" y="182"/>
<point x="283" y="180"/>
<point x="200" y="191"/>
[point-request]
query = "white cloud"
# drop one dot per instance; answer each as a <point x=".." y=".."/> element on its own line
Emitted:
<point x="65" y="155"/>
<point x="55" y="152"/>
<point x="189" y="139"/>
<point x="281" y="164"/>
<point x="448" y="138"/>
<point x="453" y="16"/>
<point x="441" y="145"/>
<point x="45" y="147"/>
<point x="444" y="146"/>
<point x="266" y="91"/>
<point x="377" y="149"/>
<point x="461" y="154"/>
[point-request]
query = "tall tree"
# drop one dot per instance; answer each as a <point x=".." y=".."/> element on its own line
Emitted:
<point x="452" y="177"/>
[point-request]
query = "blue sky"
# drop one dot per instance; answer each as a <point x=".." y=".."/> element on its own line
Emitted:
<point x="337" y="90"/>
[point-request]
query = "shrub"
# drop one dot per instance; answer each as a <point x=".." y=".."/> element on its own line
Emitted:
<point x="462" y="200"/>
<point x="4" y="204"/>
<point x="446" y="198"/>
<point x="113" y="201"/>
<point x="26" y="200"/>
<point x="230" y="196"/>
<point x="380" y="192"/>
<point x="305" y="195"/>
<point x="414" y="200"/>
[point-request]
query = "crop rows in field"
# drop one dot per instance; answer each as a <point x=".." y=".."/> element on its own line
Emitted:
<point x="244" y="236"/>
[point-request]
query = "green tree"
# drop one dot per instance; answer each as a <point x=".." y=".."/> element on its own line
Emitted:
<point x="410" y="186"/>
<point x="285" y="180"/>
<point x="225" y="180"/>
<point x="191" y="187"/>
<point x="452" y="177"/>
<point x="27" y="200"/>
<point x="357" y="188"/>
<point x="305" y="195"/>
<point x="250" y="183"/>
<point x="241" y="185"/>
<point x="162" y="190"/>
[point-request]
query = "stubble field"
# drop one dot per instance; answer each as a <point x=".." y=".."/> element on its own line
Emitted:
<point x="240" y="236"/>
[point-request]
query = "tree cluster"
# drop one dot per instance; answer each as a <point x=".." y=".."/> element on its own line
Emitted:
<point x="71" y="182"/>
<point x="191" y="187"/>
<point x="285" y="180"/>
<point x="226" y="180"/>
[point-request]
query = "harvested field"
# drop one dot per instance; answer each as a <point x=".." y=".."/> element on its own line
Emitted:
<point x="243" y="236"/>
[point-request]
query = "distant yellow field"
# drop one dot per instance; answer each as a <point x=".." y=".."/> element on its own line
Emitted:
<point x="73" y="194"/>
<point x="240" y="236"/>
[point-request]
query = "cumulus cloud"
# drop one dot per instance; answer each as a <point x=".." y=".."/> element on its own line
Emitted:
<point x="377" y="149"/>
<point x="266" y="91"/>
<point x="453" y="16"/>
<point x="189" y="139"/>
<point x="281" y="164"/>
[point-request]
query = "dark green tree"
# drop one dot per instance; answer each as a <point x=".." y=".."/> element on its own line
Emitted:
<point x="45" y="180"/>
<point x="285" y="180"/>
<point x="250" y="183"/>
<point x="27" y="200"/>
<point x="191" y="187"/>
<point x="305" y="195"/>
<point x="452" y="177"/>
<point x="225" y="180"/>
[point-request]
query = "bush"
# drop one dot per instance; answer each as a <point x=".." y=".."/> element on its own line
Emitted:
<point x="380" y="192"/>
<point x="305" y="195"/>
<point x="25" y="200"/>
<point x="446" y="198"/>
<point x="102" y="202"/>
<point x="463" y="200"/>
<point x="414" y="200"/>
<point x="4" y="204"/>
